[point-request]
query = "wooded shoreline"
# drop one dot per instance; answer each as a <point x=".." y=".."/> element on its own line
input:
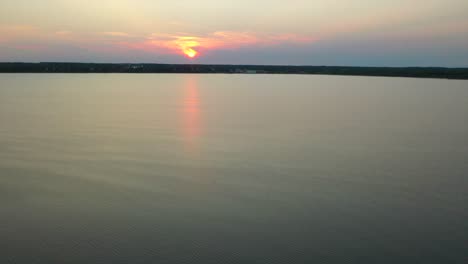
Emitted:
<point x="60" y="67"/>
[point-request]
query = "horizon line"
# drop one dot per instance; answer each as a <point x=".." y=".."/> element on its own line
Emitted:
<point x="227" y="64"/>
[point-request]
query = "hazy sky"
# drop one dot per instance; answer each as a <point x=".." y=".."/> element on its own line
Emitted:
<point x="313" y="32"/>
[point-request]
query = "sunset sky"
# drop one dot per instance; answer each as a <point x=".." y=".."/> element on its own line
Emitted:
<point x="301" y="32"/>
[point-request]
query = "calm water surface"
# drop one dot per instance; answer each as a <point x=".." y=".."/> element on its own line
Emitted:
<point x="232" y="169"/>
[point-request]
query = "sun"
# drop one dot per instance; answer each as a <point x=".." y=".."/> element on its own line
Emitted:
<point x="187" y="46"/>
<point x="191" y="53"/>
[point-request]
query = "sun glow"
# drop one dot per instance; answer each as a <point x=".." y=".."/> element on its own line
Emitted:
<point x="193" y="46"/>
<point x="191" y="53"/>
<point x="187" y="45"/>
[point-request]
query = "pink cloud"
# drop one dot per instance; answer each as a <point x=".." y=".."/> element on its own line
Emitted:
<point x="28" y="37"/>
<point x="187" y="43"/>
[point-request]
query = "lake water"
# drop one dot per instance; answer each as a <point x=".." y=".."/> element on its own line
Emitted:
<point x="232" y="169"/>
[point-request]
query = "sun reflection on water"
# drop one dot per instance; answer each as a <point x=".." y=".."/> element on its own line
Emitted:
<point x="191" y="113"/>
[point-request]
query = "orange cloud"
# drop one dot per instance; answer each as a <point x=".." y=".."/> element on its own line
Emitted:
<point x="9" y="32"/>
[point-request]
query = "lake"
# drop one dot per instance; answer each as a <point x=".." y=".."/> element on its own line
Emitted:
<point x="122" y="168"/>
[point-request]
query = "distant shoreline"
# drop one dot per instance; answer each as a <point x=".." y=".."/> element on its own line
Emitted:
<point x="61" y="67"/>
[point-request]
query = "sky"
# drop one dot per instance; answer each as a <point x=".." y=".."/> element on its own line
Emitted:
<point x="277" y="32"/>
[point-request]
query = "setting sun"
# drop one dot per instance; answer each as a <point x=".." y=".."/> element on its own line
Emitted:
<point x="187" y="45"/>
<point x="191" y="53"/>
